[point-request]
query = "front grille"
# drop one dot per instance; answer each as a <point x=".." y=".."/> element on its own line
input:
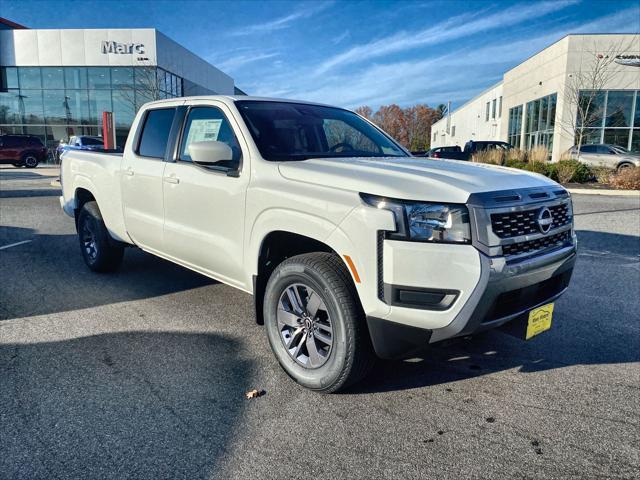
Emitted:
<point x="515" y="301"/>
<point x="525" y="222"/>
<point x="538" y="245"/>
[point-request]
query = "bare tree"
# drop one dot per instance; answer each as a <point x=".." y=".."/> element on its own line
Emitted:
<point x="147" y="87"/>
<point x="585" y="92"/>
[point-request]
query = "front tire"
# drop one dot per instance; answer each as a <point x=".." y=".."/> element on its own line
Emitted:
<point x="30" y="160"/>
<point x="315" y="324"/>
<point x="101" y="253"/>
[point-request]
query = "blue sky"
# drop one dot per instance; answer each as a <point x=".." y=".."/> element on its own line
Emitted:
<point x="350" y="53"/>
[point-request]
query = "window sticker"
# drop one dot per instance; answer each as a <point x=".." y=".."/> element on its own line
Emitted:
<point x="204" y="130"/>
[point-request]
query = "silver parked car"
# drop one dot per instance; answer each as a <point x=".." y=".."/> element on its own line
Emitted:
<point x="603" y="155"/>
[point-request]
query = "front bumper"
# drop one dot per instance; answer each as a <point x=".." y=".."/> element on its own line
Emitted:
<point x="504" y="292"/>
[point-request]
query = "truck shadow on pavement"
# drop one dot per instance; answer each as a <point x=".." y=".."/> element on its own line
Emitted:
<point x="48" y="275"/>
<point x="120" y="405"/>
<point x="595" y="322"/>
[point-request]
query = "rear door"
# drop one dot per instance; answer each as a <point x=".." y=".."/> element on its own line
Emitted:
<point x="205" y="206"/>
<point x="142" y="171"/>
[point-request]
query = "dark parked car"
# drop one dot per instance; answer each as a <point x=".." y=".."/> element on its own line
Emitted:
<point x="472" y="147"/>
<point x="441" y="152"/>
<point x="22" y="150"/>
<point x="80" y="142"/>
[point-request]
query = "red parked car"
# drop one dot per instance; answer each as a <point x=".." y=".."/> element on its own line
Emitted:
<point x="22" y="150"/>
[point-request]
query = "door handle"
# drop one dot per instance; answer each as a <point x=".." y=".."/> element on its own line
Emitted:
<point x="129" y="172"/>
<point x="172" y="179"/>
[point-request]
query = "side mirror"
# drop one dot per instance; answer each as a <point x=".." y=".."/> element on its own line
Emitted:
<point x="210" y="153"/>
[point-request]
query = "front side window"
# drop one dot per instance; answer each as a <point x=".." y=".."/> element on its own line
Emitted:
<point x="286" y="131"/>
<point x="209" y="124"/>
<point x="155" y="132"/>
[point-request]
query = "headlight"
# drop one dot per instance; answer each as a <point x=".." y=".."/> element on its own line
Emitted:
<point x="425" y="222"/>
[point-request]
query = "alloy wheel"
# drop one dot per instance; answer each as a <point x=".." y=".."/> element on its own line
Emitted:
<point x="30" y="161"/>
<point x="89" y="241"/>
<point x="304" y="325"/>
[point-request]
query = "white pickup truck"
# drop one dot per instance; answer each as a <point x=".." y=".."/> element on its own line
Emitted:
<point x="351" y="247"/>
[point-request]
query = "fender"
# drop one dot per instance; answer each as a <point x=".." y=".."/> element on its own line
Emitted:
<point x="292" y="221"/>
<point x="112" y="216"/>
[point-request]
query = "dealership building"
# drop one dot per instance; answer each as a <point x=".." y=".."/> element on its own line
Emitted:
<point x="537" y="102"/>
<point x="57" y="83"/>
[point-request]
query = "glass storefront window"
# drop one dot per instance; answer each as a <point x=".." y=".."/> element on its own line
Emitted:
<point x="122" y="77"/>
<point x="75" y="77"/>
<point x="99" y="77"/>
<point x="540" y="115"/>
<point x="78" y="106"/>
<point x="57" y="102"/>
<point x="55" y="107"/>
<point x="99" y="101"/>
<point x="52" y="78"/>
<point x="30" y="106"/>
<point x="591" y="108"/>
<point x="123" y="108"/>
<point x="9" y="107"/>
<point x="616" y="127"/>
<point x="619" y="106"/>
<point x="591" y="135"/>
<point x="635" y="140"/>
<point x="617" y="136"/>
<point x="29" y="77"/>
<point x="515" y="125"/>
<point x="8" y="78"/>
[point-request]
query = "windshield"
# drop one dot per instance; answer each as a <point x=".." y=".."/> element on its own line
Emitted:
<point x="619" y="149"/>
<point x="295" y="131"/>
<point x="92" y="141"/>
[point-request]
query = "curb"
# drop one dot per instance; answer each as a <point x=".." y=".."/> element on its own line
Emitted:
<point x="597" y="191"/>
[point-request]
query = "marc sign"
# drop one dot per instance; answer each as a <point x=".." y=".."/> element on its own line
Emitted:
<point x="122" y="48"/>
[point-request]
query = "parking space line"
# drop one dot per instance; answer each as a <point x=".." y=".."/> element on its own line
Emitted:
<point x="16" y="244"/>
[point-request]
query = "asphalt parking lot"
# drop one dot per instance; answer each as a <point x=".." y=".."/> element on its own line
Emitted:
<point x="142" y="373"/>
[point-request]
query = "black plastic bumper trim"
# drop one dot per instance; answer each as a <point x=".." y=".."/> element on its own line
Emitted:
<point x="437" y="299"/>
<point x="393" y="340"/>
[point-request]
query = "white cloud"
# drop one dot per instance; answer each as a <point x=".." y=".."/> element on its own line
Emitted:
<point x="457" y="75"/>
<point x="235" y="62"/>
<point x="453" y="28"/>
<point x="281" y="22"/>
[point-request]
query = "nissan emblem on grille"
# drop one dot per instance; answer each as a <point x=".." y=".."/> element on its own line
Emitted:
<point x="545" y="220"/>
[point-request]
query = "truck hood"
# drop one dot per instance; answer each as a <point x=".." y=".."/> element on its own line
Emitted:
<point x="411" y="178"/>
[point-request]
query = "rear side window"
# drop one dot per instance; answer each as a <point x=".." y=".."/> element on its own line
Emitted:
<point x="589" y="149"/>
<point x="155" y="132"/>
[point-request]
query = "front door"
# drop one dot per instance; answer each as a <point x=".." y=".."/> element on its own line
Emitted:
<point x="204" y="207"/>
<point x="142" y="171"/>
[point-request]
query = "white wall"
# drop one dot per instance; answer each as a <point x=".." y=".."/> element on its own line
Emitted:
<point x="544" y="73"/>
<point x="470" y="121"/>
<point x="54" y="48"/>
<point x="84" y="48"/>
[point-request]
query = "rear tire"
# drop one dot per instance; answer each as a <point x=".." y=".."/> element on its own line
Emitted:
<point x="101" y="253"/>
<point x="320" y="337"/>
<point x="29" y="160"/>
